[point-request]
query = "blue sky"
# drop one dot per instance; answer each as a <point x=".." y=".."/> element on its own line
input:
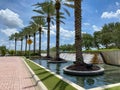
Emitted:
<point x="16" y="14"/>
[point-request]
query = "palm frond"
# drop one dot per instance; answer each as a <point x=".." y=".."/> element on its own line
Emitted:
<point x="69" y="5"/>
<point x="39" y="11"/>
<point x="68" y="13"/>
<point x="62" y="22"/>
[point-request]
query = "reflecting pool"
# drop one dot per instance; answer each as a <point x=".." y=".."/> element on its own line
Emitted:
<point x="111" y="75"/>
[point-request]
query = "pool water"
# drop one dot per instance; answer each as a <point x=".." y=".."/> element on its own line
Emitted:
<point x="111" y="75"/>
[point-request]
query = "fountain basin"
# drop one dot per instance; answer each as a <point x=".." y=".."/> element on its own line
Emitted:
<point x="83" y="73"/>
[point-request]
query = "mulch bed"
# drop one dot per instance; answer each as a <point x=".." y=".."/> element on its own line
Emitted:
<point x="83" y="67"/>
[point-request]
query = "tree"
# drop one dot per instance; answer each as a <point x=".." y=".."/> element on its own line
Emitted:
<point x="116" y="35"/>
<point x="107" y="31"/>
<point x="34" y="30"/>
<point x="39" y="23"/>
<point x="97" y="39"/>
<point x="25" y="33"/>
<point x="28" y="31"/>
<point x="58" y="7"/>
<point x="21" y="35"/>
<point x="48" y="11"/>
<point x="78" y="37"/>
<point x="14" y="37"/>
<point x="3" y="50"/>
<point x="108" y="36"/>
<point x="87" y="41"/>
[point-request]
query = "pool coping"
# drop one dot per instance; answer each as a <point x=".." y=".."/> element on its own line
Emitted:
<point x="41" y="85"/>
<point x="105" y="86"/>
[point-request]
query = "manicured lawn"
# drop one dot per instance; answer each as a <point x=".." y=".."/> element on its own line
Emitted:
<point x="101" y="50"/>
<point x="50" y="80"/>
<point x="114" y="88"/>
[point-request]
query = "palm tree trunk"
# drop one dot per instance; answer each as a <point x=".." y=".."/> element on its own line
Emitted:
<point x="25" y="44"/>
<point x="34" y="46"/>
<point x="29" y="47"/>
<point x="15" y="45"/>
<point x="78" y="39"/>
<point x="48" y="37"/>
<point x="40" y="41"/>
<point x="57" y="5"/>
<point x="21" y="45"/>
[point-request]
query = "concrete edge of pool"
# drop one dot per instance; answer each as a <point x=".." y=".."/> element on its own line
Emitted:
<point x="43" y="87"/>
<point x="105" y="86"/>
<point x="84" y="73"/>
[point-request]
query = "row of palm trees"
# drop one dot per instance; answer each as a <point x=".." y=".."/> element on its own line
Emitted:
<point x="34" y="28"/>
<point x="49" y="11"/>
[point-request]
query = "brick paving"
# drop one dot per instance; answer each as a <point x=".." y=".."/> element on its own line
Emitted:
<point x="14" y="75"/>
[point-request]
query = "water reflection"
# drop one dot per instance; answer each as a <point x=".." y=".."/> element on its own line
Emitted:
<point x="110" y="76"/>
<point x="58" y="68"/>
<point x="89" y="81"/>
<point x="48" y="65"/>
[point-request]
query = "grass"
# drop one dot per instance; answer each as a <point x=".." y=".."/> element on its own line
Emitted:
<point x="50" y="80"/>
<point x="114" y="88"/>
<point x="100" y="50"/>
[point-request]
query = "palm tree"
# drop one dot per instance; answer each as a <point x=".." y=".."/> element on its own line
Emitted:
<point x="14" y="36"/>
<point x="34" y="30"/>
<point x="11" y="37"/>
<point x="78" y="37"/>
<point x="39" y="22"/>
<point x="28" y="31"/>
<point x="57" y="7"/>
<point x="21" y="39"/>
<point x="47" y="9"/>
<point x="25" y="34"/>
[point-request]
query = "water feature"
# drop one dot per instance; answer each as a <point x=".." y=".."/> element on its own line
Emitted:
<point x="110" y="76"/>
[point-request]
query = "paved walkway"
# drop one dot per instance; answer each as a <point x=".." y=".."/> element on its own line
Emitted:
<point x="14" y="75"/>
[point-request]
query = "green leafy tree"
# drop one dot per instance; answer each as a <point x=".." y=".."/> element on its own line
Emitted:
<point x="97" y="39"/>
<point x="106" y="35"/>
<point x="3" y="50"/>
<point x="116" y="35"/>
<point x="87" y="41"/>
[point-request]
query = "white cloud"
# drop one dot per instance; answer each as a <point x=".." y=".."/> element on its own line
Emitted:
<point x="10" y="19"/>
<point x="117" y="3"/>
<point x="9" y="31"/>
<point x="111" y="14"/>
<point x="67" y="34"/>
<point x="86" y="24"/>
<point x="96" y="28"/>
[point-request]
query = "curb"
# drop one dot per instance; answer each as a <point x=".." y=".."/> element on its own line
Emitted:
<point x="37" y="80"/>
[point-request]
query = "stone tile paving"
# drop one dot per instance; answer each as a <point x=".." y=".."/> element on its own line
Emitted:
<point x="14" y="75"/>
